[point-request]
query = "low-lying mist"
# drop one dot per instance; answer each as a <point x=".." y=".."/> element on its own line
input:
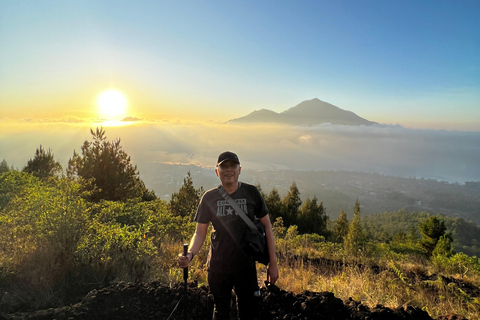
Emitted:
<point x="392" y="150"/>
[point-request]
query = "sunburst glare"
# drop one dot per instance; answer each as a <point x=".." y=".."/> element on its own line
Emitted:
<point x="112" y="104"/>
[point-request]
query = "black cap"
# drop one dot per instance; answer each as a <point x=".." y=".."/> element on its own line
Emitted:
<point x="227" y="155"/>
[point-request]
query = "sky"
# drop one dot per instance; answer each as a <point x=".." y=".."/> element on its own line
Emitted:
<point x="186" y="67"/>
<point x="414" y="63"/>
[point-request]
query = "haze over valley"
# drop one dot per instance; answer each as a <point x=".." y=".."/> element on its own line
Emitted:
<point x="278" y="149"/>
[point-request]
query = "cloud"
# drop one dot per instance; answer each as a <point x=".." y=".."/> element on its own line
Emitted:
<point x="131" y="119"/>
<point x="391" y="150"/>
<point x="66" y="119"/>
<point x="446" y="155"/>
<point x="305" y="139"/>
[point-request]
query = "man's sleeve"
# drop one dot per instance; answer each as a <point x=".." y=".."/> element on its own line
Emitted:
<point x="202" y="215"/>
<point x="262" y="209"/>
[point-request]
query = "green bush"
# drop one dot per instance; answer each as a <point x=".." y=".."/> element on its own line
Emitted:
<point x="54" y="243"/>
<point x="458" y="263"/>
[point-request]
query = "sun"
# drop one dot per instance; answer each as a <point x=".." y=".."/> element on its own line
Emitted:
<point x="112" y="104"/>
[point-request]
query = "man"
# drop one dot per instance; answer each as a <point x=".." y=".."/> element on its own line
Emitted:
<point x="228" y="265"/>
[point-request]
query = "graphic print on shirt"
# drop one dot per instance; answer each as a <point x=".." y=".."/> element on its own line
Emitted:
<point x="225" y="209"/>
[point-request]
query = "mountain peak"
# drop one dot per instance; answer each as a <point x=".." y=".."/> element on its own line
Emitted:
<point x="308" y="112"/>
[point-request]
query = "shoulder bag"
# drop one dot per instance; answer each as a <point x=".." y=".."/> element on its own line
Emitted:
<point x="255" y="240"/>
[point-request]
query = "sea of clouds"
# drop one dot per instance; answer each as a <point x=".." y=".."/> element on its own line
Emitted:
<point x="451" y="156"/>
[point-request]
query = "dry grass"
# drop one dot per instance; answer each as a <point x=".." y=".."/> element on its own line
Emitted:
<point x="386" y="288"/>
<point x="395" y="285"/>
<point x="165" y="268"/>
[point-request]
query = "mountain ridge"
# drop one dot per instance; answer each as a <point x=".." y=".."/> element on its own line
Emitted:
<point x="308" y="112"/>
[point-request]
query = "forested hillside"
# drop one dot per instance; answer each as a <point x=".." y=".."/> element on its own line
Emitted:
<point x="391" y="225"/>
<point x="66" y="232"/>
<point x="339" y="189"/>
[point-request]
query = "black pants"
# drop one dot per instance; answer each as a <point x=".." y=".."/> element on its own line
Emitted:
<point x="245" y="284"/>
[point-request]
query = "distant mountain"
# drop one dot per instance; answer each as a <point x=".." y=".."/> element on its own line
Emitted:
<point x="309" y="112"/>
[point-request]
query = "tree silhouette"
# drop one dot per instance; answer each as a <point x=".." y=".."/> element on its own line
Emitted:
<point x="312" y="217"/>
<point x="43" y="164"/>
<point x="4" y="166"/>
<point x="356" y="238"/>
<point x="432" y="230"/>
<point x="290" y="205"/>
<point x="106" y="169"/>
<point x="185" y="202"/>
<point x="340" y="227"/>
<point x="274" y="204"/>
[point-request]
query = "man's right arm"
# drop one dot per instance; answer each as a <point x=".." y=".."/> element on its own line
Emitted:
<point x="195" y="245"/>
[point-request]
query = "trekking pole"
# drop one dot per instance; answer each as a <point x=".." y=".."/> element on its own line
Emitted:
<point x="185" y="277"/>
<point x="185" y="270"/>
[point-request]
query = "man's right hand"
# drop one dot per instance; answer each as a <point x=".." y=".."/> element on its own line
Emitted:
<point x="183" y="261"/>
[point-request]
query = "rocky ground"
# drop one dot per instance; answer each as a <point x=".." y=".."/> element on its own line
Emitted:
<point x="155" y="301"/>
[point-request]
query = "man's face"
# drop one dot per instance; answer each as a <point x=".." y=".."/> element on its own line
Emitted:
<point x="228" y="172"/>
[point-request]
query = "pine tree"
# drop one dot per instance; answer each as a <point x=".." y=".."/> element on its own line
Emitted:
<point x="290" y="205"/>
<point x="312" y="217"/>
<point x="185" y="202"/>
<point x="43" y="164"/>
<point x="274" y="204"/>
<point x="4" y="167"/>
<point x="340" y="227"/>
<point x="356" y="238"/>
<point x="431" y="230"/>
<point x="107" y="169"/>
<point x="444" y="246"/>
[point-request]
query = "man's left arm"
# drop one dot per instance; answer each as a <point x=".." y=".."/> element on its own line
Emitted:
<point x="272" y="271"/>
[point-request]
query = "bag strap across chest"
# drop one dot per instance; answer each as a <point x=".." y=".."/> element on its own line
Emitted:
<point x="235" y="206"/>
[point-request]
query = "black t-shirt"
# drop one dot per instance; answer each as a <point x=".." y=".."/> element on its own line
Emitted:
<point x="226" y="252"/>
